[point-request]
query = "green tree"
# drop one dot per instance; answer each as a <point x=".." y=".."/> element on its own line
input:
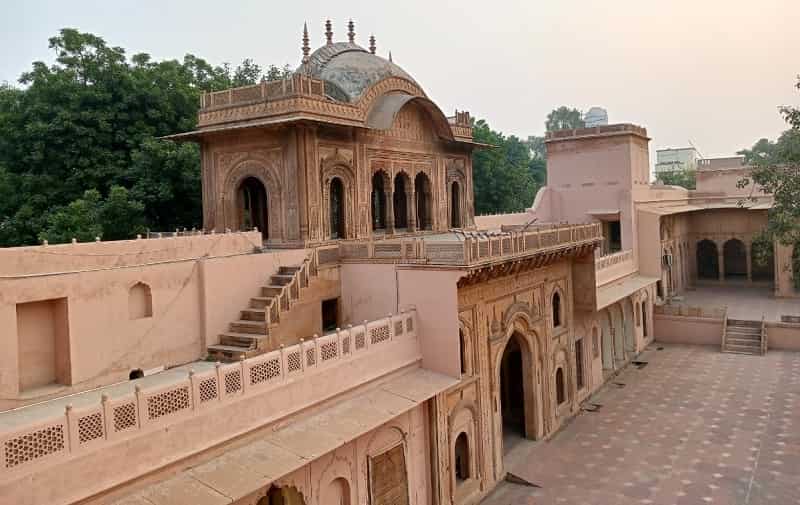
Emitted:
<point x="503" y="177"/>
<point x="564" y="118"/>
<point x="120" y="216"/>
<point x="684" y="178"/>
<point x="776" y="170"/>
<point x="80" y="220"/>
<point x="90" y="121"/>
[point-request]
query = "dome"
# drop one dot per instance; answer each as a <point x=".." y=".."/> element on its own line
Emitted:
<point x="349" y="70"/>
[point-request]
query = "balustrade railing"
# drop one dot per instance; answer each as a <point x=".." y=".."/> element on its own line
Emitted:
<point x="296" y="84"/>
<point x="470" y="247"/>
<point x="76" y="430"/>
<point x="613" y="259"/>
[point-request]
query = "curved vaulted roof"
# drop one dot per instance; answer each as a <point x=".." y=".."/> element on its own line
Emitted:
<point x="349" y="70"/>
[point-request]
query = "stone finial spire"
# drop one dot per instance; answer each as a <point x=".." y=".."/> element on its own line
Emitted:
<point x="306" y="48"/>
<point x="372" y="44"/>
<point x="351" y="32"/>
<point x="329" y="32"/>
<point x="390" y="56"/>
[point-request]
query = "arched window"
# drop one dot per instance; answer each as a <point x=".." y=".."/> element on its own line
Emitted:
<point x="455" y="205"/>
<point x="422" y="190"/>
<point x="281" y="496"/>
<point x="337" y="209"/>
<point x="462" y="351"/>
<point x="556" y="309"/>
<point x="136" y="374"/>
<point x="378" y="201"/>
<point x="561" y="396"/>
<point x="338" y="492"/>
<point x="140" y="301"/>
<point x="400" y="200"/>
<point x="462" y="458"/>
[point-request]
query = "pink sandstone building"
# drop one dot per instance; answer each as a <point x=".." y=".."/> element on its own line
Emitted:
<point x="346" y="330"/>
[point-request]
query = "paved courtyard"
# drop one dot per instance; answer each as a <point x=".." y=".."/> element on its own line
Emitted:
<point x="693" y="426"/>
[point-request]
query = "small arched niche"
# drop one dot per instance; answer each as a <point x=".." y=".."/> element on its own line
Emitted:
<point x="461" y="464"/>
<point x="140" y="301"/>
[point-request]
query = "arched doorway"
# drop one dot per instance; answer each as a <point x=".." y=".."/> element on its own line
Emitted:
<point x="455" y="205"/>
<point x="337" y="214"/>
<point x="401" y="187"/>
<point x="735" y="257"/>
<point x="422" y="190"/>
<point x="512" y="391"/>
<point x="763" y="261"/>
<point x="707" y="260"/>
<point x="253" y="206"/>
<point x="378" y="201"/>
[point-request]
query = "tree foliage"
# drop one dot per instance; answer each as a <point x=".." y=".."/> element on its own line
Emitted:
<point x="82" y="134"/>
<point x="505" y="177"/>
<point x="564" y="118"/>
<point x="684" y="178"/>
<point x="776" y="170"/>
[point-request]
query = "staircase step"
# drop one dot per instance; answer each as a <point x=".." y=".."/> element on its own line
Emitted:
<point x="290" y="270"/>
<point x="244" y="340"/>
<point x="259" y="302"/>
<point x="744" y="334"/>
<point x="221" y="352"/>
<point x="271" y="291"/>
<point x="743" y="341"/>
<point x="251" y="314"/>
<point x="743" y="348"/>
<point x="245" y="326"/>
<point x="744" y="322"/>
<point x="281" y="280"/>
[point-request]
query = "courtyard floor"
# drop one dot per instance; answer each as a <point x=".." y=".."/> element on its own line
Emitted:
<point x="693" y="426"/>
<point x="743" y="301"/>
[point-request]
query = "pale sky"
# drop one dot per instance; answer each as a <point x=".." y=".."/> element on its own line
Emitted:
<point x="712" y="72"/>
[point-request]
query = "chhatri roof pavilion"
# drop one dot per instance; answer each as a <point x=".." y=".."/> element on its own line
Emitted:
<point x="345" y="330"/>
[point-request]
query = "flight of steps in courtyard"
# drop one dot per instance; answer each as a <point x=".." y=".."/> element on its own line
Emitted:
<point x="249" y="335"/>
<point x="743" y="337"/>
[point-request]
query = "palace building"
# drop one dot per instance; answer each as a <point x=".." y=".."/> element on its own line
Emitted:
<point x="345" y="330"/>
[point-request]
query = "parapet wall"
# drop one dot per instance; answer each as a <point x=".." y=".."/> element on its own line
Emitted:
<point x="75" y="257"/>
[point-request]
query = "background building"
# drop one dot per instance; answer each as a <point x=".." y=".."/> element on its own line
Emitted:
<point x="670" y="160"/>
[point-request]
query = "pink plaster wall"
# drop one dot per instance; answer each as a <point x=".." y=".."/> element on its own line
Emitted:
<point x="434" y="294"/>
<point x="375" y="290"/>
<point x="687" y="330"/>
<point x="783" y="336"/>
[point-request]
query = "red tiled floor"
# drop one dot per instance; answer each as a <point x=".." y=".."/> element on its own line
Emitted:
<point x="695" y="426"/>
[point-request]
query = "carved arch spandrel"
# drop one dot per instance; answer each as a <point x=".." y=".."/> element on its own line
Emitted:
<point x="339" y="166"/>
<point x="265" y="166"/>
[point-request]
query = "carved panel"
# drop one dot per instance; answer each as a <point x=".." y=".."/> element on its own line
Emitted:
<point x="388" y="478"/>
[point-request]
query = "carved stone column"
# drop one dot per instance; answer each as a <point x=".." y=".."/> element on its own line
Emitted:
<point x="749" y="253"/>
<point x="389" y="197"/>
<point x="412" y="211"/>
<point x="721" y="264"/>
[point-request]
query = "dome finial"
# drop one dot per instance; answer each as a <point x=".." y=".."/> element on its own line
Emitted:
<point x="306" y="48"/>
<point x="351" y="32"/>
<point x="390" y="57"/>
<point x="329" y="31"/>
<point x="372" y="44"/>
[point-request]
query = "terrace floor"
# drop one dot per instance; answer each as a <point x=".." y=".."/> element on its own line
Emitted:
<point x="743" y="301"/>
<point x="693" y="426"/>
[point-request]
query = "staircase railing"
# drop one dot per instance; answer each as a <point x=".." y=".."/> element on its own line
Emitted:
<point x="291" y="290"/>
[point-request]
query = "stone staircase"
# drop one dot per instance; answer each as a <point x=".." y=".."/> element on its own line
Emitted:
<point x="248" y="336"/>
<point x="743" y="337"/>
